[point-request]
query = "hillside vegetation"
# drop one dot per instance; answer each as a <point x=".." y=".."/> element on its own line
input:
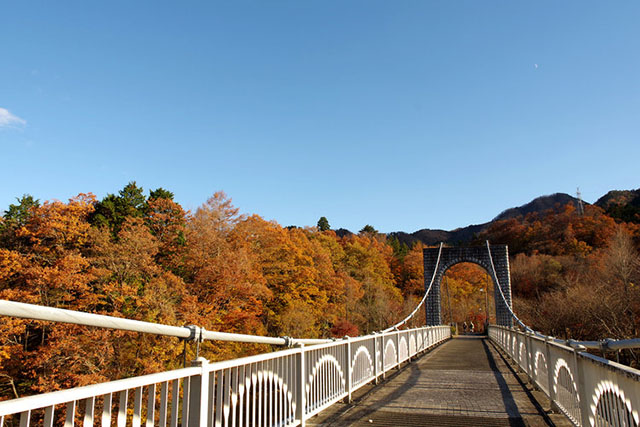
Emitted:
<point x="145" y="258"/>
<point x="575" y="275"/>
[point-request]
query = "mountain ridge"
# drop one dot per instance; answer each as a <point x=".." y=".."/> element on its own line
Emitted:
<point x="620" y="204"/>
<point x="612" y="202"/>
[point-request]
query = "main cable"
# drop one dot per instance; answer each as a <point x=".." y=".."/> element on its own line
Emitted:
<point x="424" y="298"/>
<point x="504" y="299"/>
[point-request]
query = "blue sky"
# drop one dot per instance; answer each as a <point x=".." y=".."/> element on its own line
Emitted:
<point x="404" y="115"/>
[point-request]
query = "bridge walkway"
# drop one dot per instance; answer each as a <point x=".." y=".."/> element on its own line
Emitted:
<point x="464" y="382"/>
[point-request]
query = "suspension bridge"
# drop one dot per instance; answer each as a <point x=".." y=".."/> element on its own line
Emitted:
<point x="398" y="376"/>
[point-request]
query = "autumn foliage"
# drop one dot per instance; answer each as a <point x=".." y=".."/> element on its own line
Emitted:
<point x="575" y="275"/>
<point x="145" y="258"/>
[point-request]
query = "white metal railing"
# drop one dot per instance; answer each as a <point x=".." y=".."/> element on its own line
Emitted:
<point x="283" y="388"/>
<point x="192" y="332"/>
<point x="589" y="390"/>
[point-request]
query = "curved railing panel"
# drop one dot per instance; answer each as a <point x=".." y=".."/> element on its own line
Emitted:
<point x="412" y="344"/>
<point x="403" y="348"/>
<point x="362" y="362"/>
<point x="390" y="353"/>
<point x="541" y="371"/>
<point x="275" y="389"/>
<point x="589" y="390"/>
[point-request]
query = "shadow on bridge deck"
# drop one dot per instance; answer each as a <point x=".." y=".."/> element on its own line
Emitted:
<point x="464" y="382"/>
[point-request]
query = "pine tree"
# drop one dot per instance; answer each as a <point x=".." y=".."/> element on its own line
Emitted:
<point x="323" y="224"/>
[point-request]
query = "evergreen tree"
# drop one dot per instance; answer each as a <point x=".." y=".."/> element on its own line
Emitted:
<point x="17" y="215"/>
<point x="400" y="250"/>
<point x="323" y="224"/>
<point x="113" y="210"/>
<point x="368" y="229"/>
<point x="160" y="193"/>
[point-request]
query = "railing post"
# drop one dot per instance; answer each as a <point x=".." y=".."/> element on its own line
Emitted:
<point x="398" y="350"/>
<point x="550" y="368"/>
<point x="382" y="356"/>
<point x="512" y="348"/>
<point x="301" y="387"/>
<point x="199" y="394"/>
<point x="525" y="341"/>
<point x="582" y="392"/>
<point x="376" y="370"/>
<point x="533" y="375"/>
<point x="348" y="368"/>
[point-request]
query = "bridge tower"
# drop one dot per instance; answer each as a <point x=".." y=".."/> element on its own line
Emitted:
<point x="477" y="255"/>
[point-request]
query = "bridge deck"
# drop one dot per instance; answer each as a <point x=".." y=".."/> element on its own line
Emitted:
<point x="464" y="382"/>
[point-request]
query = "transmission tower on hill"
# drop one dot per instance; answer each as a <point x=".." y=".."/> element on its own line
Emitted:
<point x="580" y="204"/>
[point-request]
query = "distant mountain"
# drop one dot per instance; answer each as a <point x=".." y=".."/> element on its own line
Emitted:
<point x="342" y="232"/>
<point x="618" y="197"/>
<point x="466" y="234"/>
<point x="539" y="204"/>
<point x="621" y="205"/>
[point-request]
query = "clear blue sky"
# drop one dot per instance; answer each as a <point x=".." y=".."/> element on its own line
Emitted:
<point x="403" y="115"/>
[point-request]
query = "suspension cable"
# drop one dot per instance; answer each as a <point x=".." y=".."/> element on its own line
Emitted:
<point x="603" y="345"/>
<point x="504" y="299"/>
<point x="424" y="298"/>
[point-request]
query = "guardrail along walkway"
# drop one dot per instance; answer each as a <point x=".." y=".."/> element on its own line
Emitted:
<point x="464" y="382"/>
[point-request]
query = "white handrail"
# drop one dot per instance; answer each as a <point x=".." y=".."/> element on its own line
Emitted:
<point x="280" y="388"/>
<point x="79" y="393"/>
<point x="31" y="311"/>
<point x="588" y="389"/>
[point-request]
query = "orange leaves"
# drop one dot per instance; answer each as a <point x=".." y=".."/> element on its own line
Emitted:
<point x="367" y="260"/>
<point x="411" y="272"/>
<point x="147" y="259"/>
<point x="56" y="226"/>
<point x="561" y="232"/>
<point x="463" y="289"/>
<point x="11" y="263"/>
<point x="222" y="270"/>
<point x="131" y="256"/>
<point x="166" y="220"/>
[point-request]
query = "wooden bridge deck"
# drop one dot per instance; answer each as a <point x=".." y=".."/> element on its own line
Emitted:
<point x="464" y="382"/>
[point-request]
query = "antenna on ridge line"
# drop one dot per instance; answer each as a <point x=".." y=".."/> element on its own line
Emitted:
<point x="580" y="204"/>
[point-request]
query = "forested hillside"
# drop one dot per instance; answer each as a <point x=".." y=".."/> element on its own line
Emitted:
<point x="465" y="235"/>
<point x="143" y="257"/>
<point x="575" y="275"/>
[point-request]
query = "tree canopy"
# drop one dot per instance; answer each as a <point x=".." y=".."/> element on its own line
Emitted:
<point x="323" y="224"/>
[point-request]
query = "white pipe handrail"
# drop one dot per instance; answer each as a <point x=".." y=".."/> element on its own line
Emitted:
<point x="79" y="393"/>
<point x="36" y="312"/>
<point x="607" y="344"/>
<point x="281" y="388"/>
<point x="588" y="389"/>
